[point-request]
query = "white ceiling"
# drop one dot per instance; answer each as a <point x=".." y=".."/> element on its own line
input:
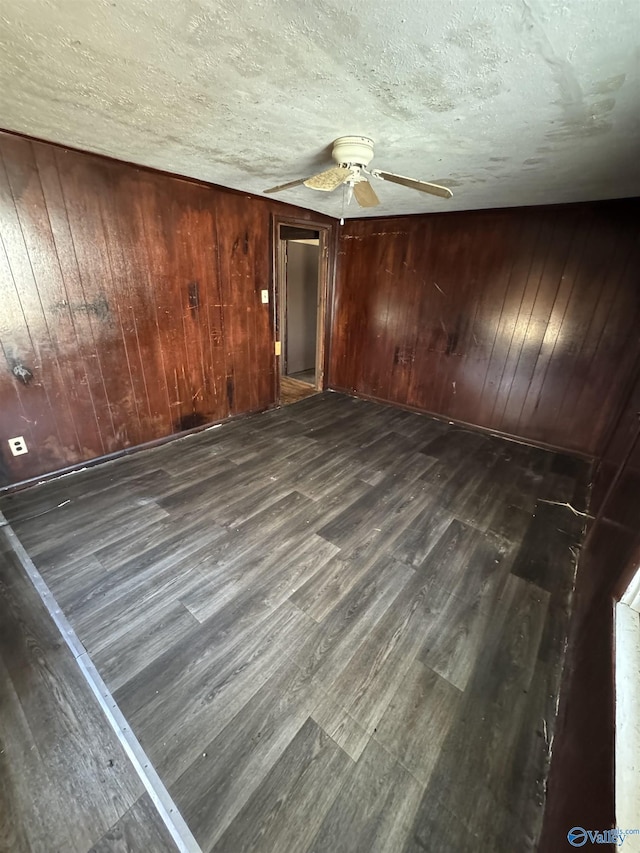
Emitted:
<point x="508" y="103"/>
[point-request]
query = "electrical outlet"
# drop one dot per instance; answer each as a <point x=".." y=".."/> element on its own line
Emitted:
<point x="18" y="446"/>
<point x="265" y="296"/>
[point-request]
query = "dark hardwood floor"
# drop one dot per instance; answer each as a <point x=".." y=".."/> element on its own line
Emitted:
<point x="337" y="626"/>
<point x="66" y="784"/>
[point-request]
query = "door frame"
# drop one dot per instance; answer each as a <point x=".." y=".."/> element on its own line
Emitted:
<point x="325" y="270"/>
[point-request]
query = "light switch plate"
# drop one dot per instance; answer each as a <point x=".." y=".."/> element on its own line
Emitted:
<point x="265" y="297"/>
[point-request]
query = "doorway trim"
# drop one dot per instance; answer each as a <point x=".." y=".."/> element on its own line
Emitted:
<point x="325" y="270"/>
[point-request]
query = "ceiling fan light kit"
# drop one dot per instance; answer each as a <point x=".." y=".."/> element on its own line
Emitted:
<point x="352" y="155"/>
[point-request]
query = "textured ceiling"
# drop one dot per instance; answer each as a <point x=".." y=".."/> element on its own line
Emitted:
<point x="507" y="103"/>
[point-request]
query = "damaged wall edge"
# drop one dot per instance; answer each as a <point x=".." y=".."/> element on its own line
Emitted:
<point x="581" y="788"/>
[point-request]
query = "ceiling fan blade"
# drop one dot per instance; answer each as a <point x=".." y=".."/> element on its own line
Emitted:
<point x="329" y="180"/>
<point x="422" y="186"/>
<point x="365" y="194"/>
<point x="287" y="186"/>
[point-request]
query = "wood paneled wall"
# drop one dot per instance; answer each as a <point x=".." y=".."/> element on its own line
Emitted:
<point x="524" y="321"/>
<point x="129" y="305"/>
<point x="581" y="781"/>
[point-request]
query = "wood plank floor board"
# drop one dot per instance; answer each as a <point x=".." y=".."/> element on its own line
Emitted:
<point x="176" y="711"/>
<point x="292" y="390"/>
<point x="322" y="475"/>
<point x="108" y="524"/>
<point x="458" y="493"/>
<point x="68" y="575"/>
<point x="120" y="655"/>
<point x="112" y="547"/>
<point x="379" y="457"/>
<point x="416" y="722"/>
<point x="353" y="430"/>
<point x="321" y="594"/>
<point x="371" y="678"/>
<point x="84" y="490"/>
<point x="556" y="625"/>
<point x="342" y="728"/>
<point x="480" y="505"/>
<point x="136" y="607"/>
<point x="155" y="570"/>
<point x="391" y="495"/>
<point x="509" y="522"/>
<point x="483" y="737"/>
<point x="140" y="829"/>
<point x="547" y="553"/>
<point x="244" y="597"/>
<point x="290" y="798"/>
<point x="451" y="444"/>
<point x="170" y="531"/>
<point x="343" y="629"/>
<point x="420" y="536"/>
<point x="213" y="790"/>
<point x="481" y="567"/>
<point x="368" y="682"/>
<point x="453" y="637"/>
<point x="330" y="645"/>
<point x="374" y="809"/>
<point x="64" y="778"/>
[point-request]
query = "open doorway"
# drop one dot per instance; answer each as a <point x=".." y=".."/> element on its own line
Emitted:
<point x="301" y="272"/>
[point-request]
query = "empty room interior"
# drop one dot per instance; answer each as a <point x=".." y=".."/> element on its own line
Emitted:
<point x="319" y="426"/>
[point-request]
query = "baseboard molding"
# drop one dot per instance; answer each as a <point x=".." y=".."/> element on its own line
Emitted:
<point x="126" y="451"/>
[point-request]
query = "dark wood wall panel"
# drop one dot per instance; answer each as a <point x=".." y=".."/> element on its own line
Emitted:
<point x="132" y="298"/>
<point x="582" y="768"/>
<point x="524" y="321"/>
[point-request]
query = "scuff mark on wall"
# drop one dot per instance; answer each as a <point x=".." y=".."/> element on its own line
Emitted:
<point x="98" y="307"/>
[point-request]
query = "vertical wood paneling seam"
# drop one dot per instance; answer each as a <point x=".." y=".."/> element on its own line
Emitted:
<point x="472" y="325"/>
<point x="186" y="366"/>
<point x="632" y="327"/>
<point x="20" y="303"/>
<point x="202" y="316"/>
<point x="526" y="332"/>
<point x="132" y="314"/>
<point x="630" y="345"/>
<point x="71" y="317"/>
<point x="144" y="375"/>
<point x="54" y="347"/>
<point x="223" y="329"/>
<point x="543" y="336"/>
<point x="426" y="253"/>
<point x="134" y="395"/>
<point x="84" y="296"/>
<point x="245" y="321"/>
<point x="208" y="326"/>
<point x="564" y="314"/>
<point x="504" y="300"/>
<point x="14" y="387"/>
<point x="577" y="360"/>
<point x="257" y="306"/>
<point x="152" y="287"/>
<point x="515" y="326"/>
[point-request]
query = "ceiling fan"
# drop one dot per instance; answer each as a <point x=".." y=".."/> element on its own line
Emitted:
<point x="352" y="155"/>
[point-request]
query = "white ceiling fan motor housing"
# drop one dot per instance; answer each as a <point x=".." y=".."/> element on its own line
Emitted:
<point x="353" y="150"/>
